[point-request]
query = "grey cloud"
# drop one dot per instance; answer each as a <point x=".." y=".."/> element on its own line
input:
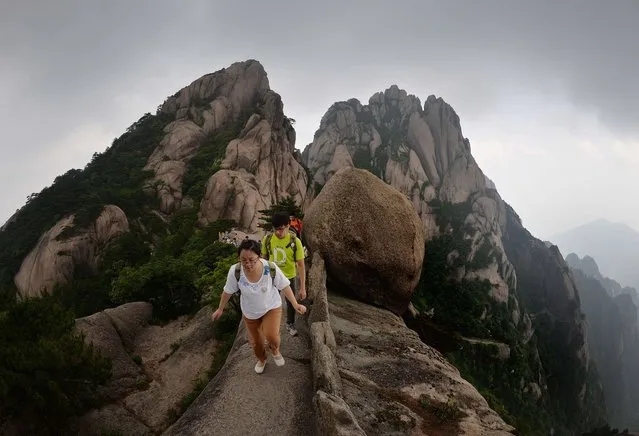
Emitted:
<point x="89" y="47"/>
<point x="588" y="48"/>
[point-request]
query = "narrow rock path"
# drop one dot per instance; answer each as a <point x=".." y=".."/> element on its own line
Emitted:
<point x="240" y="402"/>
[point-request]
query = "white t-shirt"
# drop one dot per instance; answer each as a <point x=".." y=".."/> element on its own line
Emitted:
<point x="257" y="298"/>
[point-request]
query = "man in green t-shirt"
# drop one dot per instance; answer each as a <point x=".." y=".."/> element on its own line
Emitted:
<point x="286" y="250"/>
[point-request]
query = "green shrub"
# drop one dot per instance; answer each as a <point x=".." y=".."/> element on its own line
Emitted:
<point x="47" y="372"/>
<point x="168" y="283"/>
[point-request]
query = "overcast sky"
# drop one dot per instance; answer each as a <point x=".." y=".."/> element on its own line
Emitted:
<point x="546" y="91"/>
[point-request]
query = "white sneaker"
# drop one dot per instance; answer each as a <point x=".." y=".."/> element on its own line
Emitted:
<point x="291" y="329"/>
<point x="259" y="366"/>
<point x="279" y="360"/>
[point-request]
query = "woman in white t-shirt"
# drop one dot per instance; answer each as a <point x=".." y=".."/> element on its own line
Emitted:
<point x="260" y="301"/>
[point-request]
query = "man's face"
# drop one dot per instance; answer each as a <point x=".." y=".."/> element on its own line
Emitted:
<point x="281" y="231"/>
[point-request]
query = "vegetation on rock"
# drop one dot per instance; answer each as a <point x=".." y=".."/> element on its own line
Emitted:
<point x="463" y="307"/>
<point x="47" y="372"/>
<point x="208" y="159"/>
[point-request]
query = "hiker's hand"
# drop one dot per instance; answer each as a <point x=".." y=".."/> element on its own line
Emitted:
<point x="217" y="314"/>
<point x="301" y="309"/>
<point x="302" y="292"/>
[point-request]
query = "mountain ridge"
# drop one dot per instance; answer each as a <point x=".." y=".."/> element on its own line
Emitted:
<point x="615" y="245"/>
<point x="205" y="162"/>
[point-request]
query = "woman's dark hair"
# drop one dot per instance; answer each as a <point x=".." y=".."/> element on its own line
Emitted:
<point x="280" y="219"/>
<point x="250" y="244"/>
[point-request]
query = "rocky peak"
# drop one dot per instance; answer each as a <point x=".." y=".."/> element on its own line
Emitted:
<point x="393" y="106"/>
<point x="590" y="268"/>
<point x="208" y="105"/>
<point x="260" y="167"/>
<point x="587" y="265"/>
<point x="420" y="146"/>
<point x="445" y="124"/>
<point x="233" y="89"/>
<point x="423" y="154"/>
<point x="233" y="114"/>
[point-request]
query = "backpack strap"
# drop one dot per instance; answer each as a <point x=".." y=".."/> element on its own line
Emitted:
<point x="293" y="243"/>
<point x="272" y="271"/>
<point x="237" y="271"/>
<point x="267" y="245"/>
<point x="237" y="276"/>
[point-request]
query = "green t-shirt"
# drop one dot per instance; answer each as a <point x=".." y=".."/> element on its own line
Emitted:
<point x="281" y="253"/>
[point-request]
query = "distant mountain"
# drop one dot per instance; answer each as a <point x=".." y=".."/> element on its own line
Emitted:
<point x="614" y="245"/>
<point x="588" y="266"/>
<point x="613" y="338"/>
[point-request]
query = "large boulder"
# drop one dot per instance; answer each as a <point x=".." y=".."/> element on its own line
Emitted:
<point x="370" y="237"/>
<point x="56" y="257"/>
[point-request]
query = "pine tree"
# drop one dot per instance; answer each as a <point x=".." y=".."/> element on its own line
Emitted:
<point x="287" y="204"/>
